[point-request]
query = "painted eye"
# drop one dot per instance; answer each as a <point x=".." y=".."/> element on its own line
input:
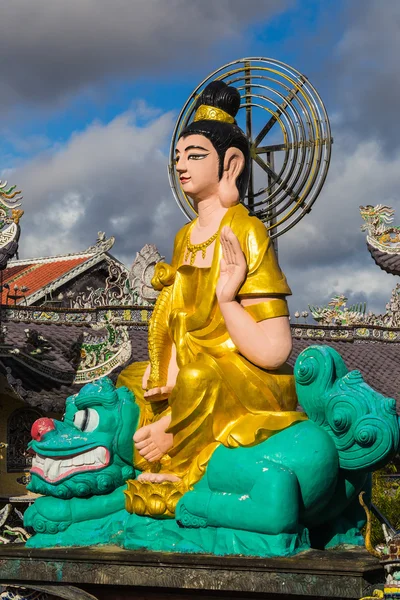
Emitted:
<point x="86" y="419"/>
<point x="197" y="156"/>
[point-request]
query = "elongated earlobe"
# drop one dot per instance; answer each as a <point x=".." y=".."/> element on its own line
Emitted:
<point x="234" y="162"/>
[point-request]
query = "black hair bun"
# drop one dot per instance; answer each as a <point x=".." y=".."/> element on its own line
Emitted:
<point x="222" y="96"/>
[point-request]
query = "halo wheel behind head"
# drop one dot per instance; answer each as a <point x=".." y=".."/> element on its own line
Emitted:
<point x="288" y="129"/>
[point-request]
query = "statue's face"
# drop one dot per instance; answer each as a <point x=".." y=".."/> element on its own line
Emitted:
<point x="197" y="165"/>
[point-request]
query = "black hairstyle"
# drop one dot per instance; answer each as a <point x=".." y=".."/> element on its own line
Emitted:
<point x="223" y="135"/>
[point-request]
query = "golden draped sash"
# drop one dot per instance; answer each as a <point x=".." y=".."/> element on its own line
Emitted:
<point x="220" y="396"/>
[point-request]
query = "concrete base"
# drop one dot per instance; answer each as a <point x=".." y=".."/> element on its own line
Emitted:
<point x="112" y="573"/>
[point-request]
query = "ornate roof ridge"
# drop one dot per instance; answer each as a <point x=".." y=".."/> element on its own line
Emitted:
<point x="48" y="259"/>
<point x="383" y="238"/>
<point x="102" y="246"/>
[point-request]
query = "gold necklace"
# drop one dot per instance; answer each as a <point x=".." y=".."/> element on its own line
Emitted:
<point x="193" y="249"/>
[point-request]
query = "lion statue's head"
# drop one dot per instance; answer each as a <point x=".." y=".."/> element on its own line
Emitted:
<point x="89" y="452"/>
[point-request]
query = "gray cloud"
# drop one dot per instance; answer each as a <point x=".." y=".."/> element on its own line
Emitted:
<point x="364" y="68"/>
<point x="55" y="49"/>
<point x="326" y="252"/>
<point x="110" y="177"/>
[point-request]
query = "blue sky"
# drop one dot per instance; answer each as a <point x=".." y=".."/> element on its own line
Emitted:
<point x="92" y="88"/>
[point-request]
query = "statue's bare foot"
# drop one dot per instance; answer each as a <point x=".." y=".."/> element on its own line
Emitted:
<point x="151" y="440"/>
<point x="158" y="477"/>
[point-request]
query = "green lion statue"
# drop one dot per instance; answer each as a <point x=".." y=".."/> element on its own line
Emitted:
<point x="296" y="490"/>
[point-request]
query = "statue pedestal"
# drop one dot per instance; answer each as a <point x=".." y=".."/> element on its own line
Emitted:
<point x="111" y="573"/>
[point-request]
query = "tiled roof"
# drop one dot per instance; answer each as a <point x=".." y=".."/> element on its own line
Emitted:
<point x="41" y="390"/>
<point x="379" y="362"/>
<point x="36" y="275"/>
<point x="387" y="261"/>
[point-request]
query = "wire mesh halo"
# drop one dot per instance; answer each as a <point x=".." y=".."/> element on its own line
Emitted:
<point x="289" y="168"/>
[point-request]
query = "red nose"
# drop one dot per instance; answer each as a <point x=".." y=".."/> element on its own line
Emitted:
<point x="41" y="427"/>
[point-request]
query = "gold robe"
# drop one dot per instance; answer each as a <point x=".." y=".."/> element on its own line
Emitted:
<point x="220" y="397"/>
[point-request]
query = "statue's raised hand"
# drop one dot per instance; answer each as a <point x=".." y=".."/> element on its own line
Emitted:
<point x="233" y="267"/>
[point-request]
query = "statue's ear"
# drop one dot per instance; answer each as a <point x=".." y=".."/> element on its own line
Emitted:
<point x="234" y="162"/>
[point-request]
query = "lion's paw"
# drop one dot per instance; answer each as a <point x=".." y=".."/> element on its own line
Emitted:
<point x="186" y="519"/>
<point x="43" y="517"/>
<point x="192" y="509"/>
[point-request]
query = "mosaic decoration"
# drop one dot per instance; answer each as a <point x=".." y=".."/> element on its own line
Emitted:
<point x="10" y="215"/>
<point x="142" y="272"/>
<point x="101" y="355"/>
<point x="392" y="315"/>
<point x="36" y="344"/>
<point x="21" y="593"/>
<point x="383" y="239"/>
<point x="389" y="555"/>
<point x="117" y="290"/>
<point x="90" y="357"/>
<point x="126" y="315"/>
<point x="380" y="234"/>
<point x="337" y="313"/>
<point x="11" y="529"/>
<point x="102" y="244"/>
<point x="24" y="479"/>
<point x="123" y="287"/>
<point x="349" y="333"/>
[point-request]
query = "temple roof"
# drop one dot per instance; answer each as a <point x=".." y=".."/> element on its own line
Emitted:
<point x="30" y="280"/>
<point x="387" y="261"/>
<point x="47" y="353"/>
<point x="378" y="362"/>
<point x="38" y="274"/>
<point x="45" y="379"/>
<point x="43" y="363"/>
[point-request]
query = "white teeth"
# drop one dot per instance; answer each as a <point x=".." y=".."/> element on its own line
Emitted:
<point x="47" y="465"/>
<point x="89" y="458"/>
<point x="54" y="468"/>
<point x="100" y="456"/>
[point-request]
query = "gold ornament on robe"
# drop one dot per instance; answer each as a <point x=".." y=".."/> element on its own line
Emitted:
<point x="192" y="249"/>
<point x="220" y="397"/>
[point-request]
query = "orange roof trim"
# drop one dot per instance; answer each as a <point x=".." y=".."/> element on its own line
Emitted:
<point x="36" y="276"/>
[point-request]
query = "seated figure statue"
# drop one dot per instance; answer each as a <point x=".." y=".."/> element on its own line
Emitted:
<point x="220" y="462"/>
<point x="219" y="336"/>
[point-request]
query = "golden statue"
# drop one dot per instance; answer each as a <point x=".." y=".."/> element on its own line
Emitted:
<point x="219" y="336"/>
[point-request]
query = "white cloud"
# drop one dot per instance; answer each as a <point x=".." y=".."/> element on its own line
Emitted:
<point x="110" y="177"/>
